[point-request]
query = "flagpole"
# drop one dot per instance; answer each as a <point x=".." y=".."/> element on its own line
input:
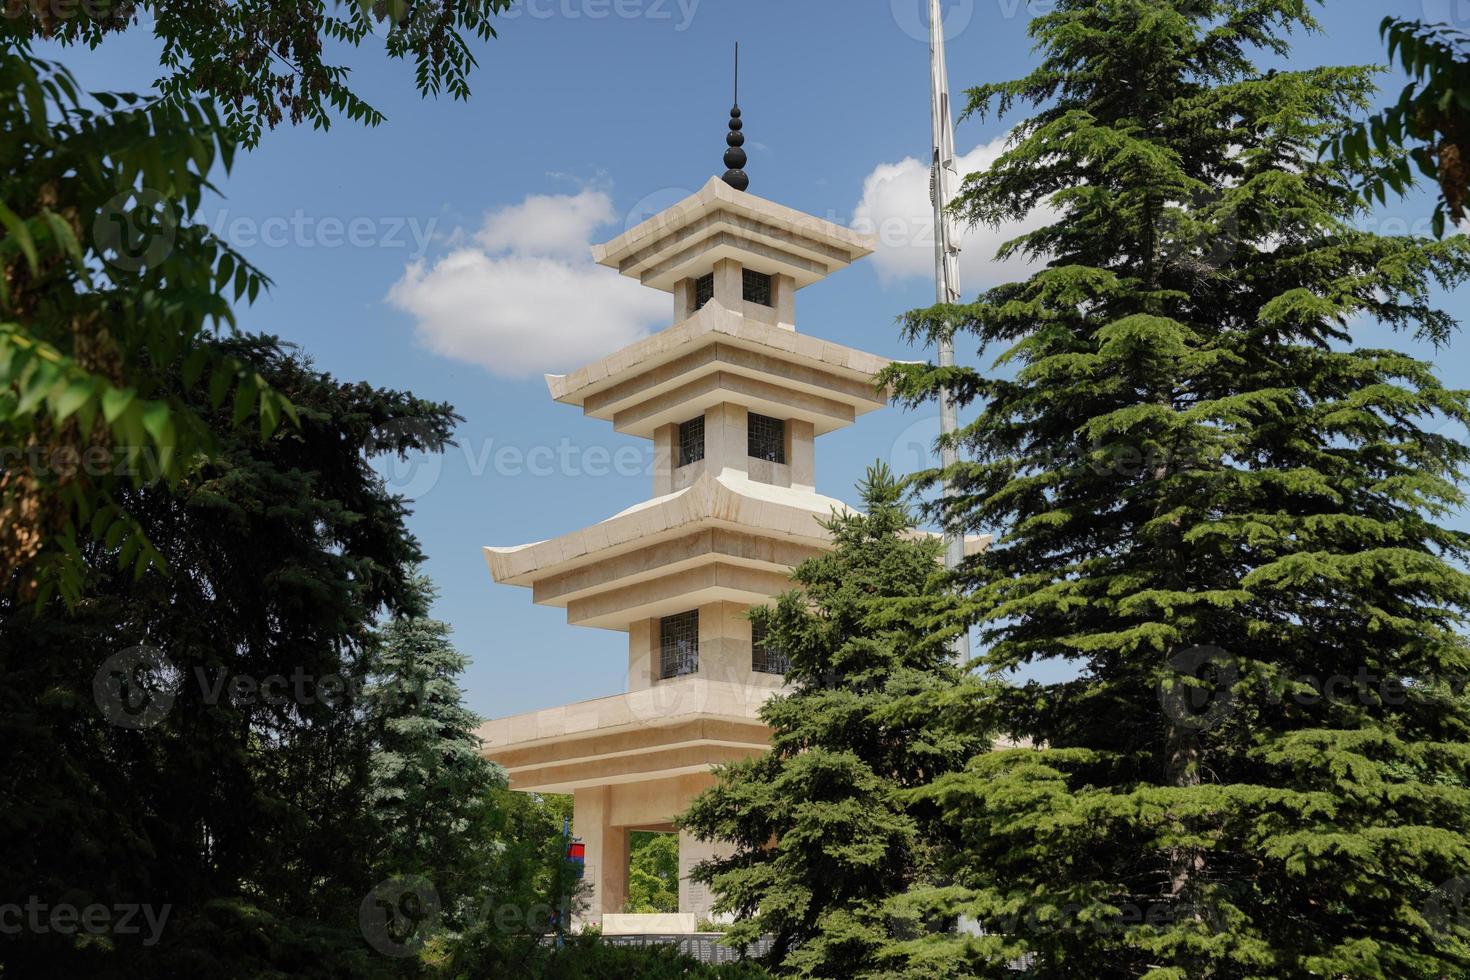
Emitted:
<point x="946" y="270"/>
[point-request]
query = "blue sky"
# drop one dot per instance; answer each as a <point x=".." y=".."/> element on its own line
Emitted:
<point x="387" y="246"/>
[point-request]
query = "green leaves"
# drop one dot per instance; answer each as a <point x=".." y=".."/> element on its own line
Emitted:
<point x="17" y="237"/>
<point x="292" y="82"/>
<point x="286" y="557"/>
<point x="106" y="284"/>
<point x="1425" y="128"/>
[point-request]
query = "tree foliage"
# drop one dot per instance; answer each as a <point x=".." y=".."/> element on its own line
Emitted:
<point x="1432" y="114"/>
<point x="107" y="281"/>
<point x="1207" y="487"/>
<point x="821" y="838"/>
<point x="431" y="791"/>
<point x="242" y="803"/>
<point x="266" y="63"/>
<point x="653" y="873"/>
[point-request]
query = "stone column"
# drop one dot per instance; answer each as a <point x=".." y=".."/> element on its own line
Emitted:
<point x="642" y="654"/>
<point x="801" y="454"/>
<point x="694" y="896"/>
<point x="783" y="288"/>
<point x="607" y="854"/>
<point x="724" y="643"/>
<point x="729" y="285"/>
<point x="727" y="439"/>
<point x="683" y="299"/>
<point x="665" y="458"/>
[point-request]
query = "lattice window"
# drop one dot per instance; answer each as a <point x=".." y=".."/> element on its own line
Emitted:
<point x="691" y="441"/>
<point x="704" y="290"/>
<point x="678" y="643"/>
<point x="756" y="287"/>
<point x="765" y="656"/>
<point x="766" y="438"/>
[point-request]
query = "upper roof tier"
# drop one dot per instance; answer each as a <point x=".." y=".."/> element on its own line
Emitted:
<point x="720" y="222"/>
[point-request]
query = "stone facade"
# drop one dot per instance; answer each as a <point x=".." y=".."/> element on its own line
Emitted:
<point x="720" y="534"/>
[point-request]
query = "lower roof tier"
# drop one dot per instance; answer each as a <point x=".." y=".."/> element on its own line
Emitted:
<point x="680" y="726"/>
<point x="722" y="539"/>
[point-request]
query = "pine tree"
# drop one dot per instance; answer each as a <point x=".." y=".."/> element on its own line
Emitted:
<point x="431" y="788"/>
<point x="821" y="837"/>
<point x="1223" y="510"/>
<point x="242" y="806"/>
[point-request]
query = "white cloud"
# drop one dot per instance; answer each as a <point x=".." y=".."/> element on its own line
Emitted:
<point x="547" y="224"/>
<point x="895" y="207"/>
<point x="527" y="298"/>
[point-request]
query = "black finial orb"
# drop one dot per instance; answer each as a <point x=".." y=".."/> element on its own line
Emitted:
<point x="735" y="158"/>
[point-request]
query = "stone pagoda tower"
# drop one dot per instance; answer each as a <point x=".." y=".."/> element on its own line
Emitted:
<point x="733" y="398"/>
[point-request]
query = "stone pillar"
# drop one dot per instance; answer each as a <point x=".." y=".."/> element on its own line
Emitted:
<point x="783" y="288"/>
<point x="694" y="896"/>
<point x="801" y="454"/>
<point x="724" y="643"/>
<point x="725" y="659"/>
<point x="729" y="285"/>
<point x="642" y="654"/>
<point x="606" y="874"/>
<point x="683" y="299"/>
<point x="665" y="458"/>
<point x="726" y="439"/>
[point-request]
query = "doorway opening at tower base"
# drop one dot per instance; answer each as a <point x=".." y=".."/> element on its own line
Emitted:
<point x="653" y="871"/>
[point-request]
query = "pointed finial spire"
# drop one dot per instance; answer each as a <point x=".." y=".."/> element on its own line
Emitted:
<point x="735" y="156"/>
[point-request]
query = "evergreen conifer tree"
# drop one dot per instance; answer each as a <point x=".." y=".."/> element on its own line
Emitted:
<point x="1224" y="508"/>
<point x="821" y="836"/>
<point x="431" y="788"/>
